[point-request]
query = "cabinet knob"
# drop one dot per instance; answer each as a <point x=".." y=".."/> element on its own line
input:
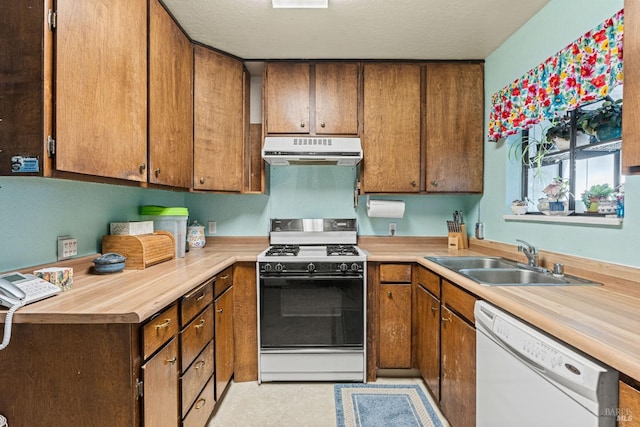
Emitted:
<point x="389" y="294"/>
<point x="302" y="124"/>
<point x="413" y="183"/>
<point x="157" y="171"/>
<point x="201" y="180"/>
<point x="322" y="125"/>
<point x="434" y="183"/>
<point x="219" y="310"/>
<point x="142" y="168"/>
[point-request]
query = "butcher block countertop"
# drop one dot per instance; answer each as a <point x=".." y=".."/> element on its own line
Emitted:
<point x="603" y="321"/>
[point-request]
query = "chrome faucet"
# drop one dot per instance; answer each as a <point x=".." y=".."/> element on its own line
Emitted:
<point x="530" y="251"/>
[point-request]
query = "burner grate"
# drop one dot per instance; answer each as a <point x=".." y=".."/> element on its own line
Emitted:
<point x="337" y="250"/>
<point x="283" y="250"/>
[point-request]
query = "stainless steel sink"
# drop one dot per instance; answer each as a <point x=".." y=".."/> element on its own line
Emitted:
<point x="466" y="262"/>
<point x="497" y="271"/>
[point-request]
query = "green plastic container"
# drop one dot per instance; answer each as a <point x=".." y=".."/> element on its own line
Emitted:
<point x="171" y="219"/>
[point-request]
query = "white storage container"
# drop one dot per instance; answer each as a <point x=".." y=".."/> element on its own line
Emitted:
<point x="173" y="220"/>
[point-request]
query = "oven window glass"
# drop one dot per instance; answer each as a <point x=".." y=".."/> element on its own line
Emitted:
<point x="311" y="312"/>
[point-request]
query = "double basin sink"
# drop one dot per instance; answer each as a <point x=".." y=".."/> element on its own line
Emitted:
<point x="498" y="271"/>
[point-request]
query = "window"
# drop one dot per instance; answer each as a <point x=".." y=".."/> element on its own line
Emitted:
<point x="573" y="147"/>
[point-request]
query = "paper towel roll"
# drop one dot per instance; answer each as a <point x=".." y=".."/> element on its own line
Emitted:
<point x="385" y="208"/>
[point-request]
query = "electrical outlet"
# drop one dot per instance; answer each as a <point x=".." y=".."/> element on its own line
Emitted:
<point x="67" y="247"/>
<point x="211" y="227"/>
<point x="392" y="229"/>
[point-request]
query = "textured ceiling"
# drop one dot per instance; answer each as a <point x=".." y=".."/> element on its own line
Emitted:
<point x="355" y="29"/>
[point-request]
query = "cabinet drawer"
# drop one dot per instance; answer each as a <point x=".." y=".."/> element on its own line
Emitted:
<point x="398" y="273"/>
<point x="196" y="376"/>
<point x="430" y="281"/>
<point x="458" y="300"/>
<point x="202" y="408"/>
<point x="193" y="303"/>
<point x="223" y="280"/>
<point x="159" y="330"/>
<point x="195" y="337"/>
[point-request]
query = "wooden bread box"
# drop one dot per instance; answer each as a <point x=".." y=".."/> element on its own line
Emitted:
<point x="143" y="250"/>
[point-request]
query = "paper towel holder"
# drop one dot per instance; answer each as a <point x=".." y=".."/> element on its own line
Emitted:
<point x="393" y="215"/>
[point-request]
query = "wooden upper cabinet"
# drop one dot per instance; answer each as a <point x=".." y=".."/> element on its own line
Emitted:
<point x="336" y="94"/>
<point x="101" y="88"/>
<point x="454" y="127"/>
<point x="287" y="97"/>
<point x="630" y="124"/>
<point x="391" y="137"/>
<point x="218" y="149"/>
<point x="170" y="101"/>
<point x="314" y="99"/>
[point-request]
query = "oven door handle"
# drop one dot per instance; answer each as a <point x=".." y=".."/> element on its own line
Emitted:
<point x="313" y="277"/>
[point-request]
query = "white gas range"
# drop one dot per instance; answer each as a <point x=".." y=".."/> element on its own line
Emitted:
<point x="312" y="302"/>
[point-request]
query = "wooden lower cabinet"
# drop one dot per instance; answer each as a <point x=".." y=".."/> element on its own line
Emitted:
<point x="458" y="361"/>
<point x="224" y="342"/>
<point x="160" y="375"/>
<point x="428" y="339"/>
<point x="629" y="406"/>
<point x="394" y="316"/>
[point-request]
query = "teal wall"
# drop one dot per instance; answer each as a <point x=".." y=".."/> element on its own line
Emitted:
<point x="553" y="28"/>
<point x="36" y="210"/>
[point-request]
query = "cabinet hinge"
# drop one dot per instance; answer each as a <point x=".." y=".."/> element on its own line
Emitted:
<point x="51" y="146"/>
<point x="139" y="388"/>
<point x="51" y="19"/>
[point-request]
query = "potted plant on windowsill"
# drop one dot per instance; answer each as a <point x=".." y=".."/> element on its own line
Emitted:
<point x="594" y="195"/>
<point x="556" y="192"/>
<point x="605" y="122"/>
<point x="560" y="134"/>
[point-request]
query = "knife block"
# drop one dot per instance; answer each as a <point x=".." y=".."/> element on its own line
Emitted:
<point x="459" y="240"/>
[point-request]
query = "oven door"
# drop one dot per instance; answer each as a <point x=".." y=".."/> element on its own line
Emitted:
<point x="311" y="311"/>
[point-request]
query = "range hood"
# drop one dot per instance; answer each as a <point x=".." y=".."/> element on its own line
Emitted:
<point x="300" y="150"/>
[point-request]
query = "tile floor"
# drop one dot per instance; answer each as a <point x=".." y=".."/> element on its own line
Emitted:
<point x="279" y="404"/>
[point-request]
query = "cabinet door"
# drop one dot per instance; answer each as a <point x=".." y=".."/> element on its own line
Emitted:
<point x="101" y="88"/>
<point x="391" y="141"/>
<point x="224" y="340"/>
<point x="287" y="98"/>
<point x="218" y="156"/>
<point x="160" y="375"/>
<point x="394" y="348"/>
<point x="170" y="101"/>
<point x="628" y="406"/>
<point x="336" y="91"/>
<point x="428" y="339"/>
<point x="630" y="124"/>
<point x="458" y="365"/>
<point x="454" y="131"/>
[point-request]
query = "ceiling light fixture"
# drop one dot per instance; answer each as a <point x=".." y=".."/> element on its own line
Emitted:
<point x="300" y="4"/>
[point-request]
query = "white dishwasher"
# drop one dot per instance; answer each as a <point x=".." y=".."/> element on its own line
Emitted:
<point x="526" y="378"/>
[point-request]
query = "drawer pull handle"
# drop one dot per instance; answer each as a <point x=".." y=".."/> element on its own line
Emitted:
<point x="200" y="297"/>
<point x="164" y="324"/>
<point x="219" y="310"/>
<point x="200" y="403"/>
<point x="434" y="309"/>
<point x="225" y="277"/>
<point x="444" y="319"/>
<point x="389" y="294"/>
<point x="171" y="361"/>
<point x="200" y="324"/>
<point x="199" y="365"/>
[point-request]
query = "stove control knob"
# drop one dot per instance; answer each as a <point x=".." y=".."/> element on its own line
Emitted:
<point x="355" y="267"/>
<point x="343" y="267"/>
<point x="279" y="267"/>
<point x="311" y="267"/>
<point x="267" y="267"/>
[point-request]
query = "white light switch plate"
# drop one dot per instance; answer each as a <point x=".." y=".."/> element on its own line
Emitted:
<point x="67" y="247"/>
<point x="211" y="227"/>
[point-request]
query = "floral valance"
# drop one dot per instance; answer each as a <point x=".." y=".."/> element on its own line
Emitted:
<point x="584" y="71"/>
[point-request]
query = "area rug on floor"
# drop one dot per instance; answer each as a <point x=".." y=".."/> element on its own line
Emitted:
<point x="383" y="405"/>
